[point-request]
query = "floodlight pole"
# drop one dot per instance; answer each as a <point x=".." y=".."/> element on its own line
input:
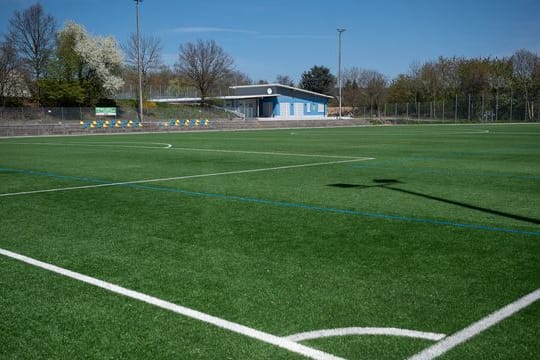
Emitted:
<point x="340" y="31"/>
<point x="139" y="62"/>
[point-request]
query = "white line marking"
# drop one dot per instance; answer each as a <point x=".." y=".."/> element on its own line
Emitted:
<point x="269" y="153"/>
<point x="99" y="144"/>
<point x="225" y="324"/>
<point x="170" y="146"/>
<point x="179" y="177"/>
<point x="469" y="132"/>
<point x="476" y="328"/>
<point x="309" y="335"/>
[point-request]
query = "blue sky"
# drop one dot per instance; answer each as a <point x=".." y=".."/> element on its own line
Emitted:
<point x="267" y="38"/>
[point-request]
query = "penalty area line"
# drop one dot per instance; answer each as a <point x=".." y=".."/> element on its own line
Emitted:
<point x="194" y="314"/>
<point x="476" y="328"/>
<point x="181" y="177"/>
<point x="267" y="153"/>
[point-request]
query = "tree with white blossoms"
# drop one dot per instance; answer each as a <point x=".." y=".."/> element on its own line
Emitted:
<point x="84" y="69"/>
<point x="102" y="57"/>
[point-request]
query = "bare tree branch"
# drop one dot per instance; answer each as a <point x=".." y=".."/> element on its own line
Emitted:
<point x="204" y="64"/>
<point x="11" y="78"/>
<point x="32" y="33"/>
<point x="151" y="59"/>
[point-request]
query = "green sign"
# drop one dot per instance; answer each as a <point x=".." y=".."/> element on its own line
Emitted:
<point x="105" y="111"/>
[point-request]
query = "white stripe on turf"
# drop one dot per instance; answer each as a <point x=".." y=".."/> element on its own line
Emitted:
<point x="234" y="327"/>
<point x="170" y="146"/>
<point x="98" y="144"/>
<point x="267" y="153"/>
<point x="179" y="177"/>
<point x="309" y="335"/>
<point x="476" y="328"/>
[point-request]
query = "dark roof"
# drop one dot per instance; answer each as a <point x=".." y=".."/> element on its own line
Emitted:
<point x="265" y="86"/>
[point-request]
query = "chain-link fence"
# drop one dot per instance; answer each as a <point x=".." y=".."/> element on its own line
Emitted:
<point x="504" y="107"/>
<point x="56" y="115"/>
<point x="493" y="107"/>
<point x="44" y="115"/>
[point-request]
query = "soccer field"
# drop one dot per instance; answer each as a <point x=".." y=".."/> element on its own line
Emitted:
<point x="347" y="243"/>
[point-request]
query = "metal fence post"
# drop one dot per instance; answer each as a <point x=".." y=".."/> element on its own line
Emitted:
<point x="407" y="111"/>
<point x="455" y="111"/>
<point x="482" y="113"/>
<point x="497" y="105"/>
<point x="443" y="110"/>
<point x="511" y="104"/>
<point x="526" y="106"/>
<point x="469" y="111"/>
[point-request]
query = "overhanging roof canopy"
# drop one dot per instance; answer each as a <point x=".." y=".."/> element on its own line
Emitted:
<point x="266" y="86"/>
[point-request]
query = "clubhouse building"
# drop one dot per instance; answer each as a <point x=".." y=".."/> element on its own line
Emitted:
<point x="276" y="101"/>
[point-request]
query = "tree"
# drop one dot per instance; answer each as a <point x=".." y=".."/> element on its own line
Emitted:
<point x="11" y="84"/>
<point x="474" y="76"/>
<point x="401" y="90"/>
<point x="151" y="59"/>
<point x="231" y="78"/>
<point x="32" y="33"/>
<point x="525" y="64"/>
<point x="235" y="78"/>
<point x="103" y="61"/>
<point x="159" y="79"/>
<point x="353" y="90"/>
<point x="374" y="84"/>
<point x="84" y="69"/>
<point x="351" y="94"/>
<point x="449" y="77"/>
<point x="284" y="80"/>
<point x="430" y="78"/>
<point x="318" y="79"/>
<point x="204" y="63"/>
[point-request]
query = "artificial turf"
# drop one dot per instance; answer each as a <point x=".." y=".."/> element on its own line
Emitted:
<point x="440" y="229"/>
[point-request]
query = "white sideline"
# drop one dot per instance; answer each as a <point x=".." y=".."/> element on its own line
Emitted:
<point x="476" y="328"/>
<point x="99" y="144"/>
<point x="179" y="177"/>
<point x="225" y="324"/>
<point x="267" y="153"/>
<point x="310" y="335"/>
<point x="170" y="146"/>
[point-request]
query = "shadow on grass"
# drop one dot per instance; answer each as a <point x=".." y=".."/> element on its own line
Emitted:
<point x="386" y="183"/>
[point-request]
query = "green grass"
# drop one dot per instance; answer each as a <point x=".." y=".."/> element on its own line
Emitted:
<point x="438" y="231"/>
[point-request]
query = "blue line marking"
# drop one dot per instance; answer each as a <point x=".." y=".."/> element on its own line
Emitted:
<point x="53" y="175"/>
<point x="441" y="171"/>
<point x="284" y="204"/>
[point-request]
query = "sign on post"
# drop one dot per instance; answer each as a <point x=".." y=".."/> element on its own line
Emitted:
<point x="105" y="111"/>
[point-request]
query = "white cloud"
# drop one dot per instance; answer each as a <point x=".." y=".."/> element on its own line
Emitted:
<point x="209" y="29"/>
<point x="297" y="36"/>
<point x="205" y="29"/>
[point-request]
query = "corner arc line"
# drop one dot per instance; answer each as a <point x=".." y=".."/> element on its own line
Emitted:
<point x="388" y="331"/>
